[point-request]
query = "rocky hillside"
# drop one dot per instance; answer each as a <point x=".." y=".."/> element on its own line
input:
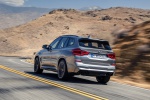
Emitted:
<point x="12" y="16"/>
<point x="133" y="48"/>
<point x="25" y="39"/>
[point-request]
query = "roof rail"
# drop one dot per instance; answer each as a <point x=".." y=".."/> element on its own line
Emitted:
<point x="70" y="35"/>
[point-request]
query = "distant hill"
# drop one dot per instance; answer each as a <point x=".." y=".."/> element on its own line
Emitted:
<point x="25" y="39"/>
<point x="12" y="16"/>
<point x="90" y="8"/>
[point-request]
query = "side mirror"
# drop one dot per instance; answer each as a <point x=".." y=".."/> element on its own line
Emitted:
<point x="45" y="46"/>
<point x="49" y="48"/>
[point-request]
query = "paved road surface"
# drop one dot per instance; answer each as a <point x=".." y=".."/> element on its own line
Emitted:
<point x="18" y="82"/>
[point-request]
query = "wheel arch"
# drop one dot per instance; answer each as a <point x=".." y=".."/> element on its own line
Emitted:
<point x="60" y="60"/>
<point x="36" y="57"/>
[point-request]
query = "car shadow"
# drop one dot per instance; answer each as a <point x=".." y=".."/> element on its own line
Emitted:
<point x="53" y="76"/>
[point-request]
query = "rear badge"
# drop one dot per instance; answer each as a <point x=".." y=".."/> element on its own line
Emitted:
<point x="101" y="52"/>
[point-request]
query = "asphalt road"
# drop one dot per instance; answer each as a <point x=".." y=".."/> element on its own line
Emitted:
<point x="18" y="82"/>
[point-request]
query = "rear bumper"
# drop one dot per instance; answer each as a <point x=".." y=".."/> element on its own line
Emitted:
<point x="94" y="70"/>
<point x="95" y="73"/>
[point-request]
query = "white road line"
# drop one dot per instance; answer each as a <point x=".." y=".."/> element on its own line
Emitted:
<point x="124" y="84"/>
<point x="130" y="85"/>
<point x="26" y="62"/>
<point x="11" y="60"/>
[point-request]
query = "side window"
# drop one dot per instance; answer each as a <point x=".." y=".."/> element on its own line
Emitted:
<point x="71" y="42"/>
<point x="55" y="43"/>
<point x="62" y="43"/>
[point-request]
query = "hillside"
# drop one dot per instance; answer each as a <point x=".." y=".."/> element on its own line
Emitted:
<point x="12" y="16"/>
<point x="133" y="46"/>
<point x="25" y="39"/>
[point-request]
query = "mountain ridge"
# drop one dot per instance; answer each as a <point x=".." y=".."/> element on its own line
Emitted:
<point x="28" y="38"/>
<point x="13" y="16"/>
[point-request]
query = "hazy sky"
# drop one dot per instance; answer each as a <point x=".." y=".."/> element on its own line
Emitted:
<point x="145" y="4"/>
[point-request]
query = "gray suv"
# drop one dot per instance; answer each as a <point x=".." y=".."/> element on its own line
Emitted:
<point x="70" y="55"/>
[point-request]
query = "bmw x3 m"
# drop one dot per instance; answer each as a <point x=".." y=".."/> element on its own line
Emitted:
<point x="70" y="55"/>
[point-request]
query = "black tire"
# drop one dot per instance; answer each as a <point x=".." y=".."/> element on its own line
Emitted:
<point x="37" y="66"/>
<point x="62" y="70"/>
<point x="102" y="79"/>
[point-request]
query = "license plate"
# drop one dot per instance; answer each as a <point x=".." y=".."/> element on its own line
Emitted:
<point x="98" y="56"/>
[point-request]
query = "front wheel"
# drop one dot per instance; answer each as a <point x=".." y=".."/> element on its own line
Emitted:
<point x="37" y="66"/>
<point x="102" y="79"/>
<point x="62" y="70"/>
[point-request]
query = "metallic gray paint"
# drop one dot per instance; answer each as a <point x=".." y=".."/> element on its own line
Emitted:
<point x="52" y="57"/>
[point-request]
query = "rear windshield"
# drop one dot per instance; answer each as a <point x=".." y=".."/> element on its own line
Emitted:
<point x="94" y="44"/>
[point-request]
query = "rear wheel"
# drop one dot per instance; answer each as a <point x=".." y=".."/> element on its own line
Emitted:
<point x="62" y="70"/>
<point x="102" y="79"/>
<point x="37" y="66"/>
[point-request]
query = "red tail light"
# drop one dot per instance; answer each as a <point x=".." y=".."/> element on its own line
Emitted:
<point x="79" y="52"/>
<point x="114" y="64"/>
<point x="111" y="55"/>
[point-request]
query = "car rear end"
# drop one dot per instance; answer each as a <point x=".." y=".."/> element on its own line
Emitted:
<point x="94" y="57"/>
